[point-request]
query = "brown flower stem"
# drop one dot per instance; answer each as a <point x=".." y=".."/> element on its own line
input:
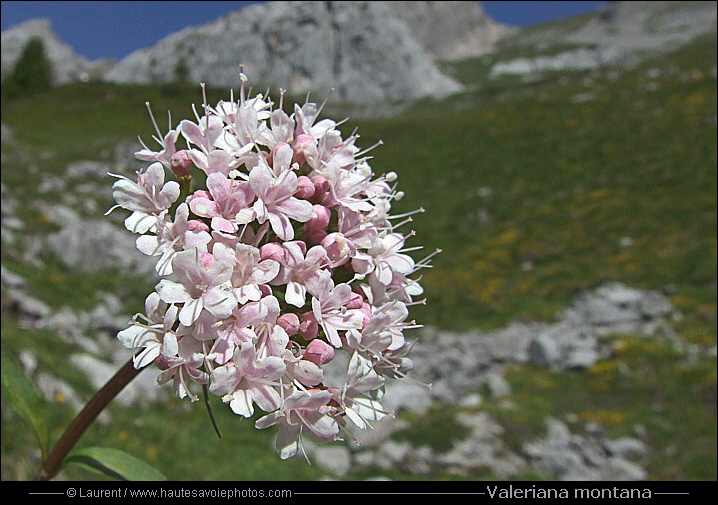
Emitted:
<point x="84" y="419"/>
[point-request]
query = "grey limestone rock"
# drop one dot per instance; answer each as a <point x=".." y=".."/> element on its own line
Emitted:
<point x="92" y="245"/>
<point x="7" y="134"/>
<point x="569" y="456"/>
<point x="143" y="388"/>
<point x="363" y="50"/>
<point x="451" y="30"/>
<point x="335" y="458"/>
<point x="620" y="33"/>
<point x="482" y="449"/>
<point x="87" y="169"/>
<point x="626" y="447"/>
<point x="403" y="395"/>
<point x="10" y="222"/>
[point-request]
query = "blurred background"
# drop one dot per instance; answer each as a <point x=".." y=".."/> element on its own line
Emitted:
<point x="564" y="153"/>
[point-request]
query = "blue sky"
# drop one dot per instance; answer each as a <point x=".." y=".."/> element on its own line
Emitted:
<point x="115" y="29"/>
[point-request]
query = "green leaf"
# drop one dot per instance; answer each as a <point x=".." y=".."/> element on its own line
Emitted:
<point x="24" y="397"/>
<point x="114" y="463"/>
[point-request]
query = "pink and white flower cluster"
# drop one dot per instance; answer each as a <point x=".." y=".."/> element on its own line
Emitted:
<point x="288" y="256"/>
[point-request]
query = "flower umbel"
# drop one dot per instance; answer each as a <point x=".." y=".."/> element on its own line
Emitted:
<point x="287" y="257"/>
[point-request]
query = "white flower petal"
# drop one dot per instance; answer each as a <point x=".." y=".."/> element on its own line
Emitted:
<point x="172" y="292"/>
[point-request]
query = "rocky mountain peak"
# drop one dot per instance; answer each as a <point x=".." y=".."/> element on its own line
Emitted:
<point x="366" y="51"/>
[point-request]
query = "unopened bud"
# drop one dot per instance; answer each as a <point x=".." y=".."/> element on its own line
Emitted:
<point x="272" y="251"/>
<point x="309" y="329"/>
<point x="290" y="323"/>
<point x="301" y="144"/>
<point x="318" y="352"/>
<point x="321" y="218"/>
<point x="180" y="163"/>
<point x="197" y="225"/>
<point x="314" y="228"/>
<point x="321" y="184"/>
<point x="305" y="188"/>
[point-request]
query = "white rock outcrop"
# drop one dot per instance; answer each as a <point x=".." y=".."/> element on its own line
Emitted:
<point x="451" y="31"/>
<point x="618" y="34"/>
<point x="362" y="50"/>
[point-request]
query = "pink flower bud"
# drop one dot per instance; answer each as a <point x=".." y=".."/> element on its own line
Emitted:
<point x="197" y="225"/>
<point x="321" y="221"/>
<point x="321" y="185"/>
<point x="314" y="228"/>
<point x="318" y="352"/>
<point x="272" y="251"/>
<point x="327" y="199"/>
<point x="313" y="237"/>
<point x="303" y="142"/>
<point x="180" y="163"/>
<point x="309" y="329"/>
<point x="305" y="188"/>
<point x="290" y="323"/>
<point x="200" y="193"/>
